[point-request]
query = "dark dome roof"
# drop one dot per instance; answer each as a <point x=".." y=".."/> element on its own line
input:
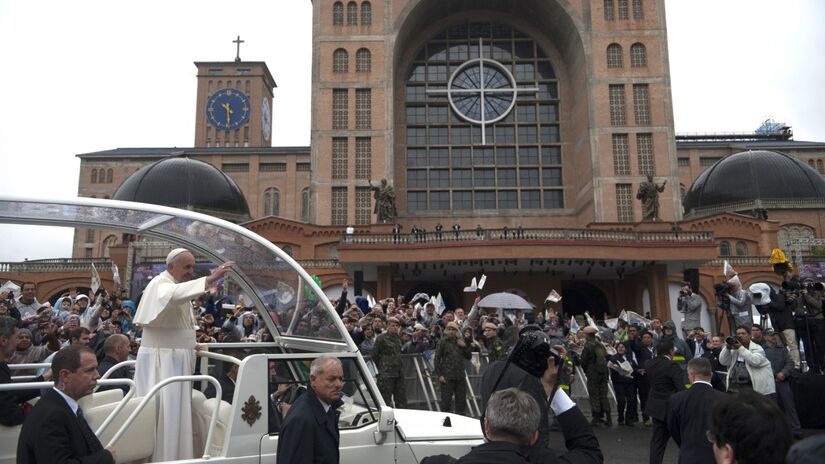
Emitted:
<point x="754" y="175"/>
<point x="188" y="184"/>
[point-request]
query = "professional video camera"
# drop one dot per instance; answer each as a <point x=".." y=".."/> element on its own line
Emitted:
<point x="532" y="350"/>
<point x="722" y="291"/>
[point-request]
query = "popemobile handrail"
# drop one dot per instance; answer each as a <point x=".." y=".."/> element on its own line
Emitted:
<point x="154" y="391"/>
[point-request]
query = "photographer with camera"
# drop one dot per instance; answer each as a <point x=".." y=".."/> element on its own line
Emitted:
<point x="748" y="368"/>
<point x="740" y="304"/>
<point x="690" y="305"/>
<point x="532" y="364"/>
<point x="804" y="299"/>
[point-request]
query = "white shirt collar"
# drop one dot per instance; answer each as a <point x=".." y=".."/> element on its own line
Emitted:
<point x="72" y="403"/>
<point x="702" y="381"/>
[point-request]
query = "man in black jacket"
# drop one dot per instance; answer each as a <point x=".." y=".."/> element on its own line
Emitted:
<point x="689" y="414"/>
<point x="116" y="348"/>
<point x="666" y="378"/>
<point x="55" y="430"/>
<point x="783" y="371"/>
<point x="12" y="410"/>
<point x="309" y="433"/>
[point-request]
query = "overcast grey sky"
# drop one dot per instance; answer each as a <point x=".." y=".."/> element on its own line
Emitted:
<point x="85" y="76"/>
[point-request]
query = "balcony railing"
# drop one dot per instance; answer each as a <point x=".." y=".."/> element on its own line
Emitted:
<point x="540" y="235"/>
<point x="742" y="261"/>
<point x="58" y="265"/>
<point x="319" y="263"/>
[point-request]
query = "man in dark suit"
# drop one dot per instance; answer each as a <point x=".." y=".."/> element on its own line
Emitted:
<point x="116" y="347"/>
<point x="645" y="353"/>
<point x="666" y="378"/>
<point x="55" y="430"/>
<point x="309" y="433"/>
<point x="688" y="415"/>
<point x="697" y="343"/>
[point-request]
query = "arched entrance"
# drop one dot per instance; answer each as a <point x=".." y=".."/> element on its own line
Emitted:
<point x="580" y="296"/>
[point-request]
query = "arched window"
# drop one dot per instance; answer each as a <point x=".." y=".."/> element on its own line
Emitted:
<point x="363" y="60"/>
<point x="724" y="249"/>
<point x="340" y="59"/>
<point x="352" y="14"/>
<point x="109" y="175"/>
<point x="287" y="249"/>
<point x="820" y="167"/>
<point x="614" y="56"/>
<point x="789" y="234"/>
<point x="638" y="55"/>
<point x="811" y="163"/>
<point x="741" y="248"/>
<point x="366" y="13"/>
<point x="338" y="14"/>
<point x="94" y="176"/>
<point x="272" y="202"/>
<point x="305" y="205"/>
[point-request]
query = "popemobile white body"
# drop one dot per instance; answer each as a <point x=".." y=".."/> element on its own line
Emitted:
<point x="243" y="431"/>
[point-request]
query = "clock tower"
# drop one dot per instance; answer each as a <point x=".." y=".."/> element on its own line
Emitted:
<point x="234" y="104"/>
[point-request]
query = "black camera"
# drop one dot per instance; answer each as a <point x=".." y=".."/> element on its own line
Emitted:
<point x="730" y="341"/>
<point x="532" y="350"/>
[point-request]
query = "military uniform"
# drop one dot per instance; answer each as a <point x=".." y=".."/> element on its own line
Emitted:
<point x="387" y="358"/>
<point x="495" y="349"/>
<point x="449" y="363"/>
<point x="594" y="363"/>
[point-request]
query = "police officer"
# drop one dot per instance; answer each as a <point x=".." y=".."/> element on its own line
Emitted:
<point x="594" y="363"/>
<point x="387" y="358"/>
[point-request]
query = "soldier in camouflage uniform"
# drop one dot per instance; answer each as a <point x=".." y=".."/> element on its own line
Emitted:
<point x="387" y="358"/>
<point x="594" y="363"/>
<point x="492" y="344"/>
<point x="449" y="367"/>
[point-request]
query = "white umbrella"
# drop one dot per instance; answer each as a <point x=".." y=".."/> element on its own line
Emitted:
<point x="505" y="300"/>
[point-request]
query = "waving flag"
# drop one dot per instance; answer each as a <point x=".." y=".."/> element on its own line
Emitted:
<point x="95" y="279"/>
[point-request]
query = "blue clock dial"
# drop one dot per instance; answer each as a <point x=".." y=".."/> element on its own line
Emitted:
<point x="228" y="109"/>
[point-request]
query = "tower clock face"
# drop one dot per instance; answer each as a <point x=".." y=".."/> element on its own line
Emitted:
<point x="228" y="109"/>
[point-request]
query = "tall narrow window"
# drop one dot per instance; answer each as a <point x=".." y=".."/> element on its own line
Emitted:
<point x="363" y="158"/>
<point x="363" y="108"/>
<point x="638" y="56"/>
<point x="624" y="203"/>
<point x="352" y="14"/>
<point x="623" y="9"/>
<point x="338" y="14"/>
<point x="305" y="205"/>
<point x="90" y="235"/>
<point x="741" y="249"/>
<point x="724" y="248"/>
<point x="272" y="202"/>
<point x="339" y="206"/>
<point x="366" y="14"/>
<point x="644" y="147"/>
<point x="609" y="13"/>
<point x="638" y="10"/>
<point x="363" y="60"/>
<point x="109" y="175"/>
<point x="363" y="203"/>
<point x="820" y="167"/>
<point x="621" y="155"/>
<point x="617" y="105"/>
<point x="340" y="61"/>
<point x="641" y="103"/>
<point x="614" y="56"/>
<point x="94" y="176"/>
<point x="339" y="109"/>
<point x="339" y="158"/>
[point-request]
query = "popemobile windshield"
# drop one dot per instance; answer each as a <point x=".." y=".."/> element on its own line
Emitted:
<point x="245" y="430"/>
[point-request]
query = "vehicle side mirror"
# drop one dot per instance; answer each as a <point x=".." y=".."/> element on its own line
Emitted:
<point x="386" y="420"/>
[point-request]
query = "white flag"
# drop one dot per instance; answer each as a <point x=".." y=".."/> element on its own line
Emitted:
<point x="727" y="269"/>
<point x="623" y="316"/>
<point x="115" y="275"/>
<point x="370" y="301"/>
<point x="574" y="326"/>
<point x="482" y="281"/>
<point x="472" y="288"/>
<point x="590" y="321"/>
<point x="95" y="279"/>
<point x="553" y="297"/>
<point x="439" y="304"/>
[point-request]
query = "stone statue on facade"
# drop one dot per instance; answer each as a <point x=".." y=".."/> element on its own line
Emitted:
<point x="384" y="196"/>
<point x="649" y="195"/>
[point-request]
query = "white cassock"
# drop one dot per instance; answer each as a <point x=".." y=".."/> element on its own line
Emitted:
<point x="167" y="350"/>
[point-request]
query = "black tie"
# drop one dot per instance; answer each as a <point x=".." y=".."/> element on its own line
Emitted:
<point x="88" y="434"/>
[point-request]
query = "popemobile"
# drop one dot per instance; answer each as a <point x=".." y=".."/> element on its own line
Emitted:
<point x="245" y="430"/>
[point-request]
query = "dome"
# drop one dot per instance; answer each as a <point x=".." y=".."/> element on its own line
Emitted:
<point x="754" y="175"/>
<point x="187" y="184"/>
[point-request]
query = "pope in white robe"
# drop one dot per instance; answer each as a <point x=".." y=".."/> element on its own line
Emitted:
<point x="167" y="349"/>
